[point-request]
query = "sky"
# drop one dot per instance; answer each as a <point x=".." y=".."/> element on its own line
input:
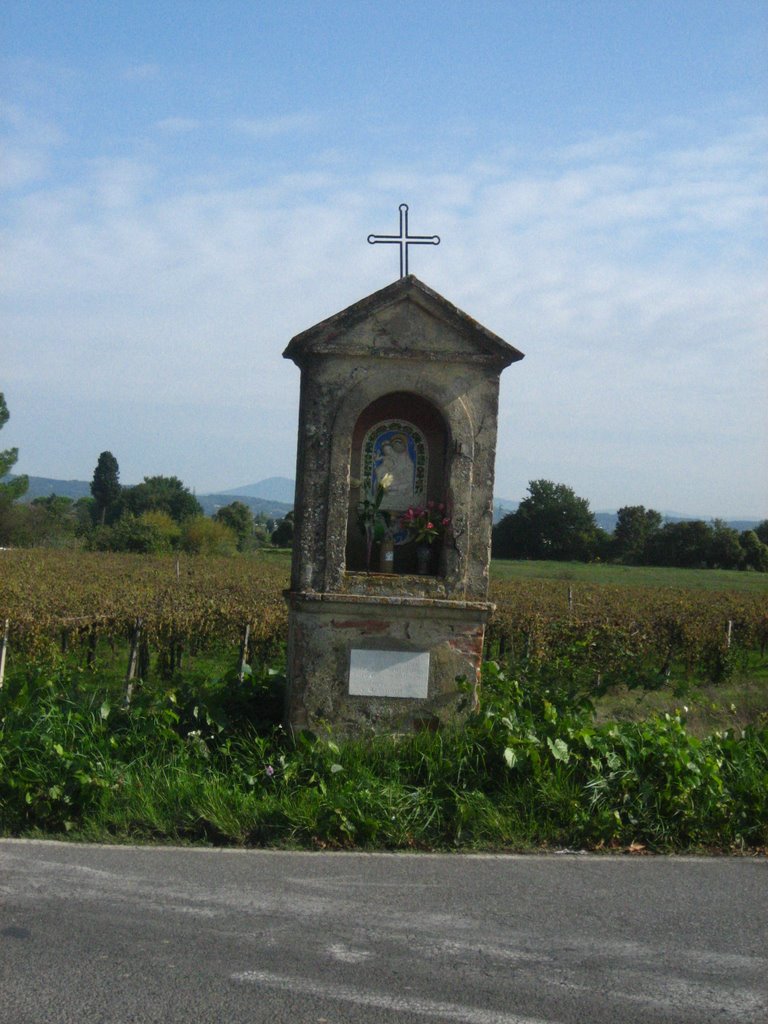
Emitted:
<point x="187" y="186"/>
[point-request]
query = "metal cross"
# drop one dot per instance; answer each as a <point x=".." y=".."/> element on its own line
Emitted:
<point x="404" y="239"/>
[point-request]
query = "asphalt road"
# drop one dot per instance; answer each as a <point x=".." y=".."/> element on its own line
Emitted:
<point x="126" y="935"/>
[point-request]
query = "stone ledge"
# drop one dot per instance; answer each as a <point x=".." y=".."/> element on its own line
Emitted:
<point x="314" y="598"/>
<point x="373" y="584"/>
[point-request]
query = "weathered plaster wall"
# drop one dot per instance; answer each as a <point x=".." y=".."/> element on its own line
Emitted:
<point x="335" y="391"/>
<point x="323" y="632"/>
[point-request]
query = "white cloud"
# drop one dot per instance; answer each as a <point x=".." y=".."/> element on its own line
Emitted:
<point x="19" y="167"/>
<point x="269" y="127"/>
<point x="632" y="274"/>
<point x="27" y="143"/>
<point x="178" y="125"/>
<point x="600" y="147"/>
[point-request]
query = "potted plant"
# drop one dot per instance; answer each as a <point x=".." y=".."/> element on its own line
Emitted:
<point x="426" y="525"/>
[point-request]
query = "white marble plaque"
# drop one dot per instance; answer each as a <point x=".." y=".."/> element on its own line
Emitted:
<point x="388" y="673"/>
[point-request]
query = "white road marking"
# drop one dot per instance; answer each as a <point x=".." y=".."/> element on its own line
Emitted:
<point x="347" y="955"/>
<point x="425" y="1007"/>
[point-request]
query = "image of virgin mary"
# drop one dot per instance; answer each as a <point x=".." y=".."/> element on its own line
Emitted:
<point x="394" y="462"/>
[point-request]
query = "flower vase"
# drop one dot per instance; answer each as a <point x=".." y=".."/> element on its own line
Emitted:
<point x="387" y="555"/>
<point x="423" y="559"/>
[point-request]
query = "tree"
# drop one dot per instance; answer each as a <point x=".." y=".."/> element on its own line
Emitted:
<point x="162" y="494"/>
<point x="55" y="520"/>
<point x="551" y="523"/>
<point x="239" y="519"/>
<point x="282" y="535"/>
<point x="167" y="530"/>
<point x="761" y="531"/>
<point x="151" y="533"/>
<point x="10" y="490"/>
<point x="725" y="551"/>
<point x="83" y="510"/>
<point x="755" y="552"/>
<point x="686" y="545"/>
<point x="262" y="530"/>
<point x="203" y="536"/>
<point x="635" y="526"/>
<point x="106" y="489"/>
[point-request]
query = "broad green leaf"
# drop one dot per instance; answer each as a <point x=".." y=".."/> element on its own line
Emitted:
<point x="559" y="749"/>
<point x="510" y="757"/>
<point x="550" y="711"/>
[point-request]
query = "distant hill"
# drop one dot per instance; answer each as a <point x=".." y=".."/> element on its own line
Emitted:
<point x="273" y="488"/>
<point x="502" y="507"/>
<point x="606" y="521"/>
<point x="44" y="487"/>
<point x="274" y="509"/>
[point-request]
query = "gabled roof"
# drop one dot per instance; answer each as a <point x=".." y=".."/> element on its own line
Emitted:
<point x="327" y="337"/>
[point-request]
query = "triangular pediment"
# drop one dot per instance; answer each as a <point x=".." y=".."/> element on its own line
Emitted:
<point x="406" y="320"/>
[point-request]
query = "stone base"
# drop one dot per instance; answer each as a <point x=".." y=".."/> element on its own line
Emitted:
<point x="389" y="650"/>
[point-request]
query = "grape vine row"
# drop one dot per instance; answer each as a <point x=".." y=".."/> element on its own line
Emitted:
<point x="202" y="603"/>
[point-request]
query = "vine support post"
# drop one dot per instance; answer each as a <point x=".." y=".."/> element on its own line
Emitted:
<point x="4" y="649"/>
<point x="243" y="652"/>
<point x="729" y="634"/>
<point x="133" y="661"/>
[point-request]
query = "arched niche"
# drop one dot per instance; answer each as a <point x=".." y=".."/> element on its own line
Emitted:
<point x="404" y="436"/>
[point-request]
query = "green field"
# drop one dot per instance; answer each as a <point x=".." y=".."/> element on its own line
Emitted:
<point x="633" y="575"/>
<point x="603" y="573"/>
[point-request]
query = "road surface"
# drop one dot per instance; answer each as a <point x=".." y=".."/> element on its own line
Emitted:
<point x="132" y="935"/>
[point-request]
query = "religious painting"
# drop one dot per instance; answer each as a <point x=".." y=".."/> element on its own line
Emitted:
<point x="395" y="452"/>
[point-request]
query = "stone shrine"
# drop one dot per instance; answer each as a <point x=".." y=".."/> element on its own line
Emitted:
<point x="393" y="512"/>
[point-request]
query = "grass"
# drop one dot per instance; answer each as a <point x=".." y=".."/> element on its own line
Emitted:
<point x="531" y="768"/>
<point x="633" y="576"/>
<point x="705" y="707"/>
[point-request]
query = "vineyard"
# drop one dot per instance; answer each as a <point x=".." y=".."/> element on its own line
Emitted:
<point x="55" y="601"/>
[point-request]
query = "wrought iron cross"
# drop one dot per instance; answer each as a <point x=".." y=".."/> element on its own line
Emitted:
<point x="404" y="239"/>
